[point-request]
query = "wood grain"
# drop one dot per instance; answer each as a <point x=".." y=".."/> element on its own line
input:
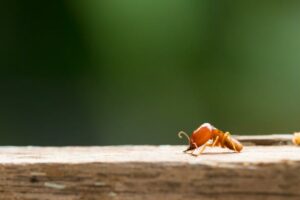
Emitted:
<point x="277" y="139"/>
<point x="149" y="172"/>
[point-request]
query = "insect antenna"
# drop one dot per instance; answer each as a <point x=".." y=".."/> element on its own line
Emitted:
<point x="184" y="133"/>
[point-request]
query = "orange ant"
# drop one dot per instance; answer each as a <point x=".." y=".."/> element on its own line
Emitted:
<point x="205" y="133"/>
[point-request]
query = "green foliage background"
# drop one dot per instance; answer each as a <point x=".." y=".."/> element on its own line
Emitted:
<point x="109" y="72"/>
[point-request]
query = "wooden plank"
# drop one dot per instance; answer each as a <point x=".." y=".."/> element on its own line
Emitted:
<point x="148" y="172"/>
<point x="276" y="139"/>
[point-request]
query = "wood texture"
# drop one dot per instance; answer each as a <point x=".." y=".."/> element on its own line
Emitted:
<point x="149" y="172"/>
<point x="266" y="140"/>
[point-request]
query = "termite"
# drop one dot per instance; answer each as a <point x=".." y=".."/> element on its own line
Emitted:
<point x="209" y="136"/>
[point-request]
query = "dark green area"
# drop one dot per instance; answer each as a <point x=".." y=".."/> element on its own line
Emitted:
<point x="136" y="72"/>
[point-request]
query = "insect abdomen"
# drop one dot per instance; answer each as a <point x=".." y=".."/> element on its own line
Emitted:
<point x="233" y="144"/>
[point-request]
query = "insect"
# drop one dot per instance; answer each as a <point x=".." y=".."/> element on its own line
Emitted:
<point x="296" y="138"/>
<point x="209" y="136"/>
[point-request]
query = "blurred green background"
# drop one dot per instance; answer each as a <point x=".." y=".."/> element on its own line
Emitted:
<point x="107" y="72"/>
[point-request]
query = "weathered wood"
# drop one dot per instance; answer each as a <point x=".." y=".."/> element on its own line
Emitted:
<point x="278" y="139"/>
<point x="148" y="172"/>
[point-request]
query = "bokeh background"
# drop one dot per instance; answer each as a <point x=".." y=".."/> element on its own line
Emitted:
<point x="109" y="72"/>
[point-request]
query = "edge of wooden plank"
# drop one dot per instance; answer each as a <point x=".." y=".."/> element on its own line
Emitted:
<point x="265" y="140"/>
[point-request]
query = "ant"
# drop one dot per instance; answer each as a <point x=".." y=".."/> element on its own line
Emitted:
<point x="204" y="134"/>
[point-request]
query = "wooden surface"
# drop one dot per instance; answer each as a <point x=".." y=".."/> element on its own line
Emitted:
<point x="266" y="140"/>
<point x="149" y="172"/>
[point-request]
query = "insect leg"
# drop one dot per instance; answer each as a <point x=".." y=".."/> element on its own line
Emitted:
<point x="197" y="151"/>
<point x="216" y="141"/>
<point x="224" y="139"/>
